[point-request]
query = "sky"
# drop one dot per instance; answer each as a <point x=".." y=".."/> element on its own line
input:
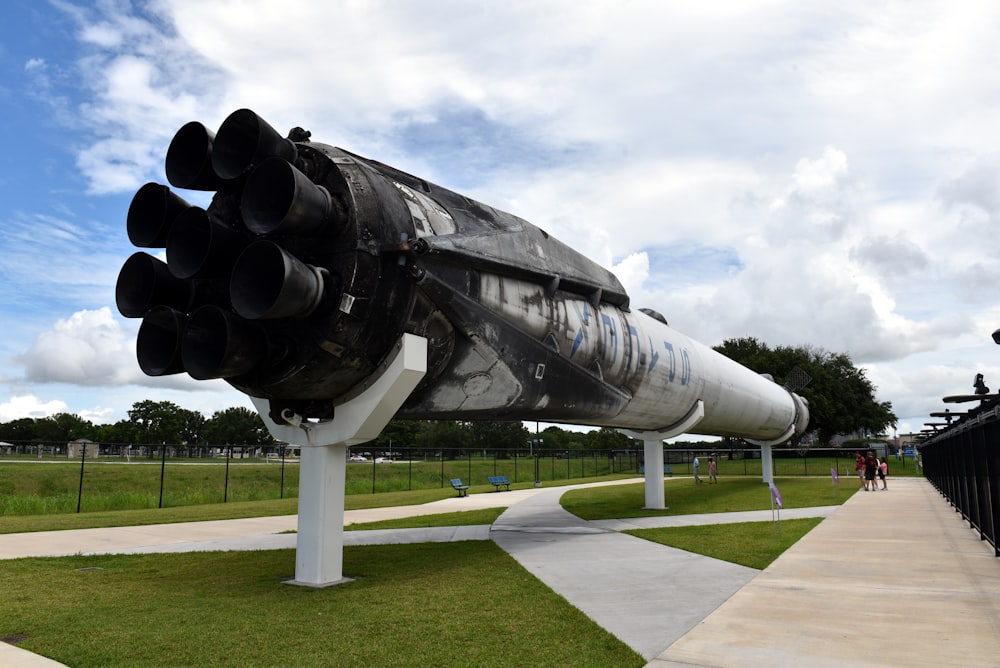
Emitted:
<point x="818" y="173"/>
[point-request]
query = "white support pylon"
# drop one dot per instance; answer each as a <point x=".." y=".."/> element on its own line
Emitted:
<point x="652" y="448"/>
<point x="319" y="550"/>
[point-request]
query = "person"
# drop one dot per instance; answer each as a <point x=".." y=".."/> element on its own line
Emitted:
<point x="871" y="466"/>
<point x="695" y="464"/>
<point x="883" y="470"/>
<point x="859" y="467"/>
<point x="713" y="470"/>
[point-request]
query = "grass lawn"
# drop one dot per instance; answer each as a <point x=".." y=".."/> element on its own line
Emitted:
<point x="684" y="497"/>
<point x="461" y="518"/>
<point x="201" y="513"/>
<point x="753" y="544"/>
<point x="464" y="603"/>
<point x="452" y="604"/>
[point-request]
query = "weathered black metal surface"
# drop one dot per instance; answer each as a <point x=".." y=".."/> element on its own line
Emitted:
<point x="311" y="262"/>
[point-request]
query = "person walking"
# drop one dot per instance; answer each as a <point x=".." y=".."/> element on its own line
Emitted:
<point x="859" y="468"/>
<point x="871" y="467"/>
<point x="713" y="470"/>
<point x="883" y="471"/>
<point x="695" y="465"/>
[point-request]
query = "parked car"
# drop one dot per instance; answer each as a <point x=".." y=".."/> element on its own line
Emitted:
<point x="358" y="458"/>
<point x="383" y="460"/>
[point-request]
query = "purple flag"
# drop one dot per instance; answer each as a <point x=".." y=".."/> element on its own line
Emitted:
<point x="776" y="494"/>
<point x="833" y="472"/>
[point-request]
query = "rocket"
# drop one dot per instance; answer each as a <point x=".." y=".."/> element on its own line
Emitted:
<point x="310" y="263"/>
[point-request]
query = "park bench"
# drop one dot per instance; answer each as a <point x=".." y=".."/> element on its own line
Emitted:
<point x="499" y="481"/>
<point x="667" y="470"/>
<point x="462" y="490"/>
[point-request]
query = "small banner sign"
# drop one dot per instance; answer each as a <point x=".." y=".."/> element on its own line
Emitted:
<point x="776" y="494"/>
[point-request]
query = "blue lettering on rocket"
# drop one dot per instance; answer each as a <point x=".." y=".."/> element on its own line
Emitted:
<point x="685" y="367"/>
<point x="580" y="334"/>
<point x="673" y="362"/>
<point x="610" y="336"/>
<point x="653" y="358"/>
<point x="633" y="334"/>
<point x="576" y="342"/>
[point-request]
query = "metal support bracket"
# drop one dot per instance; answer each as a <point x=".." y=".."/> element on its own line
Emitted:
<point x="652" y="447"/>
<point x="319" y="550"/>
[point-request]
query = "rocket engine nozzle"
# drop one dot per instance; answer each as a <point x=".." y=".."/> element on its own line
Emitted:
<point x="268" y="282"/>
<point x="278" y="198"/>
<point x="244" y="139"/>
<point x="216" y="344"/>
<point x="189" y="159"/>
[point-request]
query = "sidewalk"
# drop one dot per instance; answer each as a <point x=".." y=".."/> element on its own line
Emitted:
<point x="893" y="578"/>
<point x="888" y="579"/>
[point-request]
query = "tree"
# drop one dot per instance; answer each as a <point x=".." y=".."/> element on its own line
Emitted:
<point x="235" y="426"/>
<point x="440" y="435"/>
<point x="553" y="438"/>
<point x="498" y="435"/>
<point x="21" y="429"/>
<point x="192" y="424"/>
<point x="610" y="439"/>
<point x="841" y="398"/>
<point x="399" y="434"/>
<point x="123" y="431"/>
<point x="156" y="422"/>
<point x="63" y="427"/>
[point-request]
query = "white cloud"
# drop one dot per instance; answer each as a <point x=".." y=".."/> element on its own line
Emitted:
<point x="808" y="173"/>
<point x="29" y="406"/>
<point x="88" y="348"/>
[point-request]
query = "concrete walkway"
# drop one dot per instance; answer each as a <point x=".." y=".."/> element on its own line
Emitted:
<point x="889" y="579"/>
<point x="893" y="578"/>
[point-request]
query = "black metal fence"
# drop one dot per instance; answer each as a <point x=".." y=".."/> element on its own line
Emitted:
<point x="963" y="463"/>
<point x="103" y="476"/>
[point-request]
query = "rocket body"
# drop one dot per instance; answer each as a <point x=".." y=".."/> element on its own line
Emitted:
<point x="311" y="262"/>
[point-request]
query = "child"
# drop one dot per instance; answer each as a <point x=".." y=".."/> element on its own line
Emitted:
<point x="713" y="470"/>
<point x="883" y="469"/>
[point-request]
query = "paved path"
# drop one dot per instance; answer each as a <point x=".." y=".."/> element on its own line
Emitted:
<point x="646" y="594"/>
<point x="892" y="578"/>
<point x="889" y="579"/>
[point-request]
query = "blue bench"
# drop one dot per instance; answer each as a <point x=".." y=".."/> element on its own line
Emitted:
<point x="462" y="490"/>
<point x="667" y="470"/>
<point x="499" y="481"/>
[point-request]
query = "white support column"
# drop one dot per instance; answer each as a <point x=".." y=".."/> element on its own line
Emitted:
<point x="766" y="465"/>
<point x="652" y="448"/>
<point x="653" y="456"/>
<point x="319" y="550"/>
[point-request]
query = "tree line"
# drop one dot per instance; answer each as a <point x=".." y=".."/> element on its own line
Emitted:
<point x="841" y="401"/>
<point x="148" y="423"/>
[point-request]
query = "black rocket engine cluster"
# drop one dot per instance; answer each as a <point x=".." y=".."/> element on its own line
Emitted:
<point x="310" y="263"/>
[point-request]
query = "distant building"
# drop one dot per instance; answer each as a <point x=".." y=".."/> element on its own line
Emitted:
<point x="74" y="449"/>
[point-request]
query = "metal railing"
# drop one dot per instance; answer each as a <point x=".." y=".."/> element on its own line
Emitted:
<point x="963" y="463"/>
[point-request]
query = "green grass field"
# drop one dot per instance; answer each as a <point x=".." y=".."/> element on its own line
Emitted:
<point x="410" y="605"/>
<point x="42" y="488"/>
<point x="415" y="605"/>
<point x="39" y="488"/>
<point x="683" y="497"/>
